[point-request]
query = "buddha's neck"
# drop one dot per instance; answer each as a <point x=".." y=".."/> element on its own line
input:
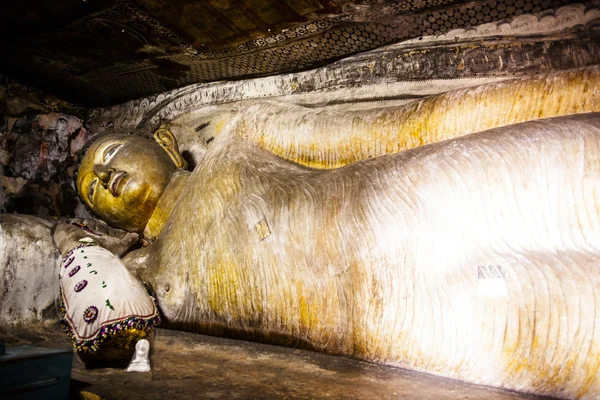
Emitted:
<point x="166" y="204"/>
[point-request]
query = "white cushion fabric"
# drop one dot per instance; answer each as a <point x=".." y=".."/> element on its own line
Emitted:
<point x="101" y="297"/>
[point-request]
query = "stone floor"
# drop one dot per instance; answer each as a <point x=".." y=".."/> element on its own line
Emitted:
<point x="190" y="366"/>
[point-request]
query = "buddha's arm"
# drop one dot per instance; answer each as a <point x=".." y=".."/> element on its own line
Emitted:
<point x="327" y="139"/>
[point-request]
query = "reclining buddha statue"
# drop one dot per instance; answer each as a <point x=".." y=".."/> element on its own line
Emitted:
<point x="475" y="257"/>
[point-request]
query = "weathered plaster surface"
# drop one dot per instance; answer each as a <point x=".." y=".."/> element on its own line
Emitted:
<point x="29" y="266"/>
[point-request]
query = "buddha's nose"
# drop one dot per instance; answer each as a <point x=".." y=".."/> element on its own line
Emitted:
<point x="103" y="173"/>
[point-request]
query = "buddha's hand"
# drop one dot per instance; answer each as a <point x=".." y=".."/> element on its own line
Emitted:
<point x="72" y="232"/>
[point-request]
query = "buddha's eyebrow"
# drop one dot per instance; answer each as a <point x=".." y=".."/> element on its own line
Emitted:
<point x="86" y="175"/>
<point x="81" y="178"/>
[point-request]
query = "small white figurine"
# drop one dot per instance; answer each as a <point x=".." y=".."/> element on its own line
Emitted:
<point x="140" y="361"/>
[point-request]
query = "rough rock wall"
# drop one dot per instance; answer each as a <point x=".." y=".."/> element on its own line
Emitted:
<point x="40" y="137"/>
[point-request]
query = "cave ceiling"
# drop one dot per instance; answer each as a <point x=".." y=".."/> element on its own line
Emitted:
<point x="102" y="52"/>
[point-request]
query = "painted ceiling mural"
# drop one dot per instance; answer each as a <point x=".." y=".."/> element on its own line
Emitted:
<point x="102" y="52"/>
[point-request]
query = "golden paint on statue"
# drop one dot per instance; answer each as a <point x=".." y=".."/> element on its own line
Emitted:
<point x="378" y="260"/>
<point x="122" y="178"/>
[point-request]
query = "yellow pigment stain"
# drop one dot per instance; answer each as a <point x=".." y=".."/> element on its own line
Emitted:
<point x="591" y="372"/>
<point x="304" y="314"/>
<point x="531" y="360"/>
<point x="219" y="125"/>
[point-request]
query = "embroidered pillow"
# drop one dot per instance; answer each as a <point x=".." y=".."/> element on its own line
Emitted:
<point x="101" y="298"/>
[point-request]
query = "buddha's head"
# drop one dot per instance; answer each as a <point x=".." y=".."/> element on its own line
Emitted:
<point x="122" y="177"/>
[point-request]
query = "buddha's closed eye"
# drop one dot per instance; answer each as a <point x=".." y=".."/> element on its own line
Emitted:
<point x="110" y="152"/>
<point x="91" y="190"/>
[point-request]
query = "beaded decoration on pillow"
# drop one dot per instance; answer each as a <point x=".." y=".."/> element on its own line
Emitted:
<point x="100" y="298"/>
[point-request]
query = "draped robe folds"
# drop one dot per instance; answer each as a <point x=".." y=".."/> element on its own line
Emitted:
<point x="475" y="258"/>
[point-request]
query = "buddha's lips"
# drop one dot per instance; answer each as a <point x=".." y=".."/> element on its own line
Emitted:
<point x="113" y="185"/>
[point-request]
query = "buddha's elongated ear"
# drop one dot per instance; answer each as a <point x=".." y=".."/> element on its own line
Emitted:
<point x="167" y="141"/>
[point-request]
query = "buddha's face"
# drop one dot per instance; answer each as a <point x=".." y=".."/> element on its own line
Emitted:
<point x="122" y="177"/>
